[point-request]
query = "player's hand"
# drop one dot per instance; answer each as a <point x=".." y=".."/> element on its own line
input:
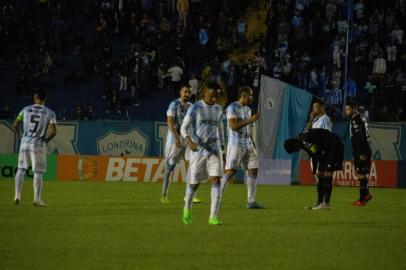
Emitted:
<point x="192" y="146"/>
<point x="312" y="116"/>
<point x="255" y="117"/>
<point x="363" y="158"/>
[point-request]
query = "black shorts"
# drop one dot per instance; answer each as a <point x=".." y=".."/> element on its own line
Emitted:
<point x="330" y="165"/>
<point x="362" y="167"/>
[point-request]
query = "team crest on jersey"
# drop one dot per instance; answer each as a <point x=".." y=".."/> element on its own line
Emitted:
<point x="132" y="143"/>
<point x="269" y="103"/>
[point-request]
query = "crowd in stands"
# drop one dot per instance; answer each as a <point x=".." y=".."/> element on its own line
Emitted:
<point x="170" y="43"/>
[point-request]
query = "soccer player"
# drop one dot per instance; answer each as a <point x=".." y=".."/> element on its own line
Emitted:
<point x="39" y="127"/>
<point x="202" y="131"/>
<point x="240" y="148"/>
<point x="327" y="149"/>
<point x="175" y="147"/>
<point x="361" y="149"/>
<point x="318" y="119"/>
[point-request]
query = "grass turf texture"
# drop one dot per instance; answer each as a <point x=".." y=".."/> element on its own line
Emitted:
<point x="124" y="226"/>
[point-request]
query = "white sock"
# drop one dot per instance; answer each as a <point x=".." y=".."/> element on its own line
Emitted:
<point x="19" y="179"/>
<point x="223" y="184"/>
<point x="215" y="200"/>
<point x="251" y="188"/>
<point x="37" y="186"/>
<point x="190" y="193"/>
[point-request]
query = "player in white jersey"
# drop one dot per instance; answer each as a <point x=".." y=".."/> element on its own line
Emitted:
<point x="240" y="147"/>
<point x="203" y="134"/>
<point x="175" y="147"/>
<point x="318" y="119"/>
<point x="39" y="127"/>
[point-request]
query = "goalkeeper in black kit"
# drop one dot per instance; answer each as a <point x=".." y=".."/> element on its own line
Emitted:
<point x="327" y="150"/>
<point x="361" y="149"/>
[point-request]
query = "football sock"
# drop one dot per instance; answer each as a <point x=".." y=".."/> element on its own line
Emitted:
<point x="215" y="200"/>
<point x="363" y="188"/>
<point x="223" y="183"/>
<point x="37" y="186"/>
<point x="319" y="191"/>
<point x="167" y="179"/>
<point x="19" y="179"/>
<point x="327" y="188"/>
<point x="251" y="188"/>
<point x="190" y="193"/>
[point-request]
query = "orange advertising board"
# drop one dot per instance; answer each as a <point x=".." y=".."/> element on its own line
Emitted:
<point x="105" y="168"/>
<point x="383" y="174"/>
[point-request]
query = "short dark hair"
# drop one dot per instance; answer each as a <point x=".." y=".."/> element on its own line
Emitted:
<point x="184" y="85"/>
<point x="352" y="104"/>
<point x="41" y="94"/>
<point x="292" y="145"/>
<point x="213" y="86"/>
<point x="320" y="102"/>
<point x="243" y="89"/>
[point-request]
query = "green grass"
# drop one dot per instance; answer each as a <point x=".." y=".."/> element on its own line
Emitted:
<point x="124" y="226"/>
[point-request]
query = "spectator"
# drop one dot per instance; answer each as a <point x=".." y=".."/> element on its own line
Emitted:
<point x="334" y="97"/>
<point x="379" y="65"/>
<point x="124" y="70"/>
<point x="78" y="113"/>
<point x="175" y="73"/>
<point x="183" y="9"/>
<point x="194" y="86"/>
<point x="351" y="89"/>
<point x="313" y="83"/>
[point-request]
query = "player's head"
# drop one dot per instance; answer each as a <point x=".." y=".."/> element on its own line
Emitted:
<point x="245" y="95"/>
<point x="210" y="93"/>
<point x="40" y="95"/>
<point x="318" y="107"/>
<point x="292" y="145"/>
<point x="350" y="109"/>
<point x="184" y="93"/>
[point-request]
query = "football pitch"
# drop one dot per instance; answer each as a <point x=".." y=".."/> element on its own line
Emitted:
<point x="90" y="225"/>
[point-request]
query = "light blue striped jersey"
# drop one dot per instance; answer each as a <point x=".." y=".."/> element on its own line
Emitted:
<point x="243" y="135"/>
<point x="36" y="119"/>
<point x="323" y="122"/>
<point x="176" y="109"/>
<point x="206" y="131"/>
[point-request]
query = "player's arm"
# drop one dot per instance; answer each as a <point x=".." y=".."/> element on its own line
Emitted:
<point x="234" y="124"/>
<point x="170" y="121"/>
<point x="17" y="122"/>
<point x="310" y="122"/>
<point x="184" y="130"/>
<point x="51" y="133"/>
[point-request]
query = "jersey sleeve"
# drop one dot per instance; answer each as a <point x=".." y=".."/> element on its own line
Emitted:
<point x="20" y="116"/>
<point x="171" y="110"/>
<point x="52" y="119"/>
<point x="187" y="122"/>
<point x="231" y="112"/>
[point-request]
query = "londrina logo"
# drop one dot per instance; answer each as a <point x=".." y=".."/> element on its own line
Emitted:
<point x="269" y="104"/>
<point x="132" y="143"/>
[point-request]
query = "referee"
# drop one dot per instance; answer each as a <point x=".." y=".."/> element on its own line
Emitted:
<point x="327" y="150"/>
<point x="361" y="148"/>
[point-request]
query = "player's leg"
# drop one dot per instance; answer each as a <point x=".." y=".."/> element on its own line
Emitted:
<point x="232" y="164"/>
<point x="214" y="168"/>
<point x="172" y="154"/>
<point x="23" y="160"/>
<point x="195" y="172"/>
<point x="362" y="168"/>
<point x="326" y="179"/>
<point x="38" y="161"/>
<point x="250" y="164"/>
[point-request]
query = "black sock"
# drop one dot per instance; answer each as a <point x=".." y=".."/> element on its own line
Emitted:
<point x="319" y="191"/>
<point x="327" y="188"/>
<point x="363" y="188"/>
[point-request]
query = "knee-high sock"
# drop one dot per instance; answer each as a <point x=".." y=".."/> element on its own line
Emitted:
<point x="319" y="191"/>
<point x="167" y="179"/>
<point x="19" y="179"/>
<point x="251" y="188"/>
<point x="37" y="186"/>
<point x="223" y="183"/>
<point x="190" y="193"/>
<point x="327" y="188"/>
<point x="363" y="188"/>
<point x="215" y="200"/>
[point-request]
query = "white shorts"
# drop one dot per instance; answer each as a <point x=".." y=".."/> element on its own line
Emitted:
<point x="33" y="154"/>
<point x="173" y="154"/>
<point x="237" y="156"/>
<point x="203" y="166"/>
